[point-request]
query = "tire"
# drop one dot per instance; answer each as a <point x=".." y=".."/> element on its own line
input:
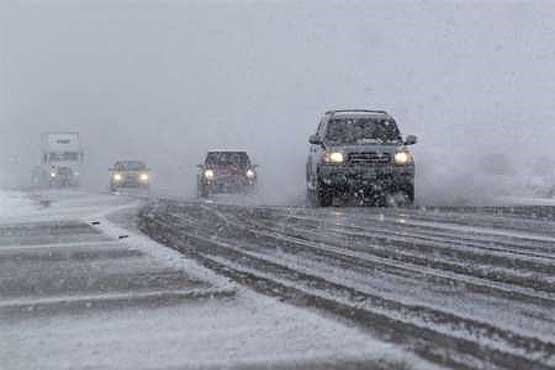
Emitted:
<point x="325" y="199"/>
<point x="409" y="190"/>
<point x="402" y="197"/>
<point x="311" y="198"/>
<point x="324" y="196"/>
<point x="202" y="193"/>
<point x="251" y="190"/>
<point x="321" y="196"/>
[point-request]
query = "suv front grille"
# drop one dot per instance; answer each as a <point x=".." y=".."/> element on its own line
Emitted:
<point x="65" y="171"/>
<point x="369" y="158"/>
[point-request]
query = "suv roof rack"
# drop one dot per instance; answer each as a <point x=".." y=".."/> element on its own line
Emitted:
<point x="355" y="111"/>
<point x="238" y="150"/>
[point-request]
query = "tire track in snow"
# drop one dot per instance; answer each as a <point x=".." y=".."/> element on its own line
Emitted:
<point x="199" y="235"/>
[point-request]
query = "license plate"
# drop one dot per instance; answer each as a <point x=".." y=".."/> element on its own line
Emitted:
<point x="369" y="175"/>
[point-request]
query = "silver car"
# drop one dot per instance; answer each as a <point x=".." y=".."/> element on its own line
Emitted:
<point x="130" y="174"/>
<point x="359" y="153"/>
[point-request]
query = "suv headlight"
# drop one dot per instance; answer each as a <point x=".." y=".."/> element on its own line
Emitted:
<point x="403" y="158"/>
<point x="209" y="174"/>
<point x="333" y="157"/>
<point x="250" y="174"/>
<point x="117" y="177"/>
<point x="144" y="177"/>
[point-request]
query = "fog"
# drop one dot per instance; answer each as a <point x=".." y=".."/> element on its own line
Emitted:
<point x="164" y="81"/>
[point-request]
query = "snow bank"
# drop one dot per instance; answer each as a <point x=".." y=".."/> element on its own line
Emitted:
<point x="14" y="203"/>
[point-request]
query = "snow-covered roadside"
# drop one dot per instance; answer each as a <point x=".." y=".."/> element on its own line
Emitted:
<point x="246" y="330"/>
<point x="294" y="339"/>
<point x="57" y="205"/>
<point x="14" y="203"/>
<point x="249" y="331"/>
<point x="527" y="201"/>
<point x="137" y="240"/>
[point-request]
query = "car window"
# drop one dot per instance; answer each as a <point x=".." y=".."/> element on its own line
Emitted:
<point x="227" y="158"/>
<point x="362" y="130"/>
<point x="130" y="166"/>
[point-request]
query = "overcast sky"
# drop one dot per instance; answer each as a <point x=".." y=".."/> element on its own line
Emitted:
<point x="165" y="80"/>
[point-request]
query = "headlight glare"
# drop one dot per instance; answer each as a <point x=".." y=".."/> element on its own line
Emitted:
<point x="250" y="174"/>
<point x="209" y="174"/>
<point x="403" y="158"/>
<point x="117" y="177"/>
<point x="144" y="177"/>
<point x="333" y="157"/>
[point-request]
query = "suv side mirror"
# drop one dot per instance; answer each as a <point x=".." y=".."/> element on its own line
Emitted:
<point x="315" y="139"/>
<point x="411" y="140"/>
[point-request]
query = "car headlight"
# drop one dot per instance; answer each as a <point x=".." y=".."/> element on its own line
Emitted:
<point x="209" y="174"/>
<point x="144" y="177"/>
<point x="333" y="157"/>
<point x="250" y="174"/>
<point x="403" y="158"/>
<point x="52" y="174"/>
<point x="117" y="177"/>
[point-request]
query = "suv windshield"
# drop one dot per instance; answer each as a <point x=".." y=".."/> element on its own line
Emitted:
<point x="240" y="159"/>
<point x="362" y="130"/>
<point x="130" y="166"/>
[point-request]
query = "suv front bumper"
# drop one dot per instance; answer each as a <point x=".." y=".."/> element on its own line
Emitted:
<point x="355" y="178"/>
<point x="229" y="184"/>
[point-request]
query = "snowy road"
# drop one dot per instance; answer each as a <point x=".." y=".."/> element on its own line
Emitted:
<point x="80" y="287"/>
<point x="464" y="288"/>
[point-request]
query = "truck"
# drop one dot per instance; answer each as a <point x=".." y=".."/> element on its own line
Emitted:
<point x="61" y="160"/>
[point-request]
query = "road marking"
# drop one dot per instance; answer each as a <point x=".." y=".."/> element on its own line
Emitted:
<point x="108" y="297"/>
<point x="74" y="245"/>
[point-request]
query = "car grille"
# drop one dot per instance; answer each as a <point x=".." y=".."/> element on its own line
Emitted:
<point x="65" y="171"/>
<point x="369" y="158"/>
<point x="131" y="177"/>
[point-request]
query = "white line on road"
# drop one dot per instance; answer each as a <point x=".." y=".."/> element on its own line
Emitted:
<point x="107" y="297"/>
<point x="71" y="244"/>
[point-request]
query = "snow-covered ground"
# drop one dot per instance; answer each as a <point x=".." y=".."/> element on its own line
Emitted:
<point x="220" y="333"/>
<point x="475" y="281"/>
<point x="15" y="203"/>
<point x="75" y="295"/>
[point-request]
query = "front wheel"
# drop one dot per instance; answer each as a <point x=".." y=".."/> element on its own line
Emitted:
<point x="410" y="193"/>
<point x="322" y="196"/>
<point x="202" y="192"/>
<point x="403" y="197"/>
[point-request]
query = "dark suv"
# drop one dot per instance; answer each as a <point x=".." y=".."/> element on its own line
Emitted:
<point x="226" y="171"/>
<point x="359" y="153"/>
